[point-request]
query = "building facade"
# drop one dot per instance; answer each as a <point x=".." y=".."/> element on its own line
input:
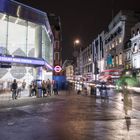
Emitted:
<point x="135" y="50"/>
<point x="56" y="29"/>
<point x="87" y="63"/>
<point x="26" y="43"/>
<point x="98" y="55"/>
<point x="69" y="72"/>
<point x="118" y="33"/>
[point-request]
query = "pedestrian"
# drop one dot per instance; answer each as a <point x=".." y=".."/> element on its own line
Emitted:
<point x="14" y="87"/>
<point x="33" y="89"/>
<point x="127" y="102"/>
<point x="48" y="87"/>
<point x="43" y="87"/>
<point x="85" y="92"/>
<point x="55" y="88"/>
<point x="23" y="85"/>
<point x="103" y="89"/>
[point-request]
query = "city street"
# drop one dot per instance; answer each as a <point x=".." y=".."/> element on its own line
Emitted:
<point x="70" y="117"/>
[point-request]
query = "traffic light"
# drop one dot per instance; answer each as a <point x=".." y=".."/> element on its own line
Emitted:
<point x="96" y="70"/>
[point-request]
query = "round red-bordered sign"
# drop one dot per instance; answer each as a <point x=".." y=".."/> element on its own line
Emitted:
<point x="57" y="68"/>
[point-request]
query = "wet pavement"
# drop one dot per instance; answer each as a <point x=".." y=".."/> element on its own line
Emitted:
<point x="71" y="117"/>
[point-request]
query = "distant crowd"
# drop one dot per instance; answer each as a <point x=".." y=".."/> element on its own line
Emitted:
<point x="36" y="88"/>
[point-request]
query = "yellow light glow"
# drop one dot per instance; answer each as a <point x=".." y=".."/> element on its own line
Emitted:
<point x="77" y="41"/>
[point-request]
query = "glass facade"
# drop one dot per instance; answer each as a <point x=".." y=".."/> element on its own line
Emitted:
<point x="23" y="38"/>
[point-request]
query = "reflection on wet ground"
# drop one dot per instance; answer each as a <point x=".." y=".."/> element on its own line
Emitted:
<point x="72" y="117"/>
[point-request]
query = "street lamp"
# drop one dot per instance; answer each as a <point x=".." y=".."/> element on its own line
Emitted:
<point x="76" y="43"/>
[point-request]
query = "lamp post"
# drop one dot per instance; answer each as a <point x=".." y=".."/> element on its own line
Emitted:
<point x="76" y="55"/>
<point x="76" y="43"/>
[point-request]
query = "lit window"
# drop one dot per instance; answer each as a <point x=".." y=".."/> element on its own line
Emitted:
<point x="138" y="31"/>
<point x="110" y="47"/>
<point x="135" y="63"/>
<point x="113" y="45"/>
<point x="120" y="40"/>
<point x="135" y="48"/>
<point x="113" y="61"/>
<point x="116" y="59"/>
<point x="128" y="56"/>
<point x="120" y="59"/>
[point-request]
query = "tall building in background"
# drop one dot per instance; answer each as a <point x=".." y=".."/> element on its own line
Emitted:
<point x="116" y="36"/>
<point x="56" y="29"/>
<point x="58" y="76"/>
<point x="112" y="49"/>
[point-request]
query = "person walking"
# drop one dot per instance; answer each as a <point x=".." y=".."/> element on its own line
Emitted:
<point x="23" y="85"/>
<point x="43" y="88"/>
<point x="33" y="89"/>
<point x="127" y="101"/>
<point x="48" y="86"/>
<point x="55" y="88"/>
<point x="14" y="87"/>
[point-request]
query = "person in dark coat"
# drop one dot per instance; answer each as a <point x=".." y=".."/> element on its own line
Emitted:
<point x="14" y="87"/>
<point x="55" y="88"/>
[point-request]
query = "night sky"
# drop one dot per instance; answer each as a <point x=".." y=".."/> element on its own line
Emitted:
<point x="83" y="19"/>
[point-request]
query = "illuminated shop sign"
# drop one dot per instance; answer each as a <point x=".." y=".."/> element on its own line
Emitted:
<point x="24" y="61"/>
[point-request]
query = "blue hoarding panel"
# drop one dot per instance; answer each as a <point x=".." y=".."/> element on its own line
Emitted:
<point x="61" y="80"/>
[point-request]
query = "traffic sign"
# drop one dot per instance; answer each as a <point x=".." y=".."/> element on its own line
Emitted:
<point x="57" y="68"/>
